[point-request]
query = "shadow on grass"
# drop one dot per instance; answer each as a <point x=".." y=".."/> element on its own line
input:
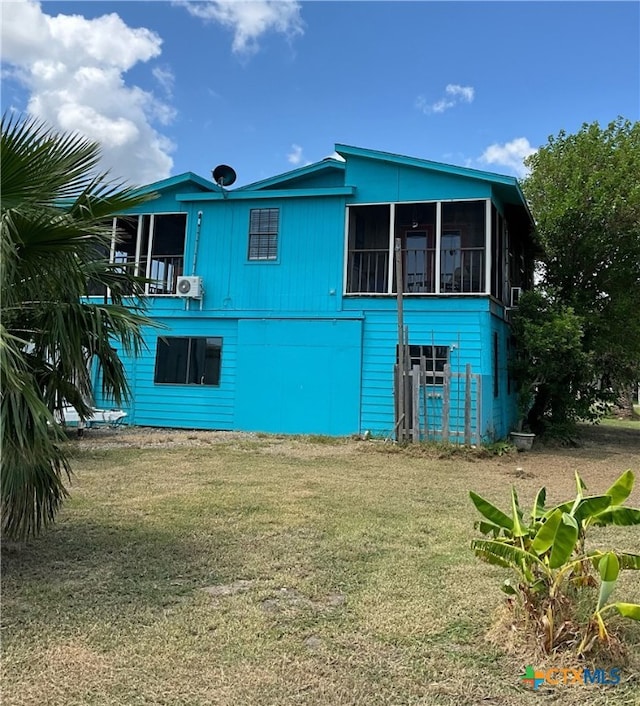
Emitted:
<point x="81" y="571"/>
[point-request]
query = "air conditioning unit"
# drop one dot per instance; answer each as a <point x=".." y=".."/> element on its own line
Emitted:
<point x="189" y="287"/>
<point x="515" y="296"/>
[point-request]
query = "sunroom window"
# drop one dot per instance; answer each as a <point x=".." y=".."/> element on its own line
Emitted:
<point x="462" y="246"/>
<point x="152" y="246"/>
<point x="368" y="258"/>
<point x="442" y="246"/>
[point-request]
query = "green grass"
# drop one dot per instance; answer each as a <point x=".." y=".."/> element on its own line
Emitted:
<point x="624" y="423"/>
<point x="273" y="571"/>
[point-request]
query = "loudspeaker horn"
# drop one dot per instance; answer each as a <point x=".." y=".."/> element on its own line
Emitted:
<point x="224" y="175"/>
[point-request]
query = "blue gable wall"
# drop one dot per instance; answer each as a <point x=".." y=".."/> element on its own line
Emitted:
<point x="383" y="182"/>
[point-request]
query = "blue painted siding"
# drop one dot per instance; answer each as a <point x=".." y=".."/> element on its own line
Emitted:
<point x="183" y="406"/>
<point x="323" y="179"/>
<point x="443" y="321"/>
<point x="307" y="275"/>
<point x="383" y="182"/>
<point x="299" y="376"/>
<point x="504" y="407"/>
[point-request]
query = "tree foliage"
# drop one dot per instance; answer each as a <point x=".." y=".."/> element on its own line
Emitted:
<point x="584" y="193"/>
<point x="55" y="234"/>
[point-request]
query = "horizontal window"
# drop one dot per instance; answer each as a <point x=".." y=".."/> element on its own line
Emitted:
<point x="263" y="233"/>
<point x="188" y="361"/>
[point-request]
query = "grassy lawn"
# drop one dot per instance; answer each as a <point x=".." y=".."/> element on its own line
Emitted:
<point x="624" y="423"/>
<point x="194" y="568"/>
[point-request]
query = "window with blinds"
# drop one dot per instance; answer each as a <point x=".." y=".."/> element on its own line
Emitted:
<point x="263" y="233"/>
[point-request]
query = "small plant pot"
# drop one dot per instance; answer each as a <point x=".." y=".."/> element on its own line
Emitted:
<point x="522" y="440"/>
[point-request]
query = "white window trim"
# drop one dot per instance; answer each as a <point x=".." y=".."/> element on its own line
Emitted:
<point x="392" y="248"/>
<point x="487" y="246"/>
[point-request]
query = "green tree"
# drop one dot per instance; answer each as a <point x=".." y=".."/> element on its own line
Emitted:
<point x="55" y="235"/>
<point x="584" y="193"/>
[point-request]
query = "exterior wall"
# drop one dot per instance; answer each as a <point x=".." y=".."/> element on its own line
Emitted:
<point x="301" y="376"/>
<point x="504" y="406"/>
<point x="455" y="322"/>
<point x="307" y="275"/>
<point x="298" y="356"/>
<point x="182" y="406"/>
<point x="277" y="375"/>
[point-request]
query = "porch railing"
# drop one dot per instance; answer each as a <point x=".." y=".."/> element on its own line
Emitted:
<point x="367" y="271"/>
<point x="466" y="273"/>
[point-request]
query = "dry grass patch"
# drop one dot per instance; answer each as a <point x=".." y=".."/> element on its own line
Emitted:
<point x="203" y="568"/>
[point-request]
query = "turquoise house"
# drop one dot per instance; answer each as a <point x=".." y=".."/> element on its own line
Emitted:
<point x="279" y="299"/>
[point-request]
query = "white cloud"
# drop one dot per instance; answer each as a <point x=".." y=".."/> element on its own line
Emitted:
<point x="295" y="156"/>
<point x="250" y="19"/>
<point x="454" y="94"/>
<point x="510" y="154"/>
<point x="165" y="77"/>
<point x="74" y="69"/>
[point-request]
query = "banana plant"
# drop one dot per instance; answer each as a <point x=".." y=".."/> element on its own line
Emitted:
<point x="608" y="566"/>
<point x="548" y="550"/>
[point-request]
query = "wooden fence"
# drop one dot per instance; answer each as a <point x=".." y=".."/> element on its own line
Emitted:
<point x="437" y="407"/>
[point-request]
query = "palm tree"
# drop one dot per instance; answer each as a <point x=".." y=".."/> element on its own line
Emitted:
<point x="56" y="215"/>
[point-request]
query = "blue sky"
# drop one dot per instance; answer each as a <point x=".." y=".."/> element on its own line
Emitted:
<point x="169" y="87"/>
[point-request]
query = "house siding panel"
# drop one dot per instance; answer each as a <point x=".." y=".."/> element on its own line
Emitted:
<point x="183" y="406"/>
<point x="433" y="325"/>
<point x="384" y="182"/>
<point x="307" y="275"/>
<point x="299" y="376"/>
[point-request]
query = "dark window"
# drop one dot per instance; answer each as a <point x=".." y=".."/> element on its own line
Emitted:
<point x="462" y="246"/>
<point x="188" y="361"/>
<point x="166" y="232"/>
<point x="263" y="233"/>
<point x="368" y="257"/>
<point x="433" y="358"/>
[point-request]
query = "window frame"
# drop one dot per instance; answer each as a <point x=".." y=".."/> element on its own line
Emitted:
<point x="441" y="230"/>
<point x="430" y="351"/>
<point x="145" y="235"/>
<point x="268" y="258"/>
<point x="190" y="356"/>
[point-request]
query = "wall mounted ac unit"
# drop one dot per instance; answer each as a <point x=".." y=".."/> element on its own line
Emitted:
<point x="189" y="287"/>
<point x="515" y="296"/>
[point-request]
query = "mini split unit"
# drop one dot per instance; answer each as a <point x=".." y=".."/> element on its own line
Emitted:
<point x="189" y="287"/>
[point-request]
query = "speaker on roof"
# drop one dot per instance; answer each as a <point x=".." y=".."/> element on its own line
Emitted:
<point x="224" y="175"/>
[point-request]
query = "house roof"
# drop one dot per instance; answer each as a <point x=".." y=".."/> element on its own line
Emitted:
<point x="512" y="193"/>
<point x="186" y="179"/>
<point x="293" y="182"/>
<point x="283" y="179"/>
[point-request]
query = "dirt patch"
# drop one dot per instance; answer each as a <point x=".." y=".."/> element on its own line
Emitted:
<point x="122" y="437"/>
